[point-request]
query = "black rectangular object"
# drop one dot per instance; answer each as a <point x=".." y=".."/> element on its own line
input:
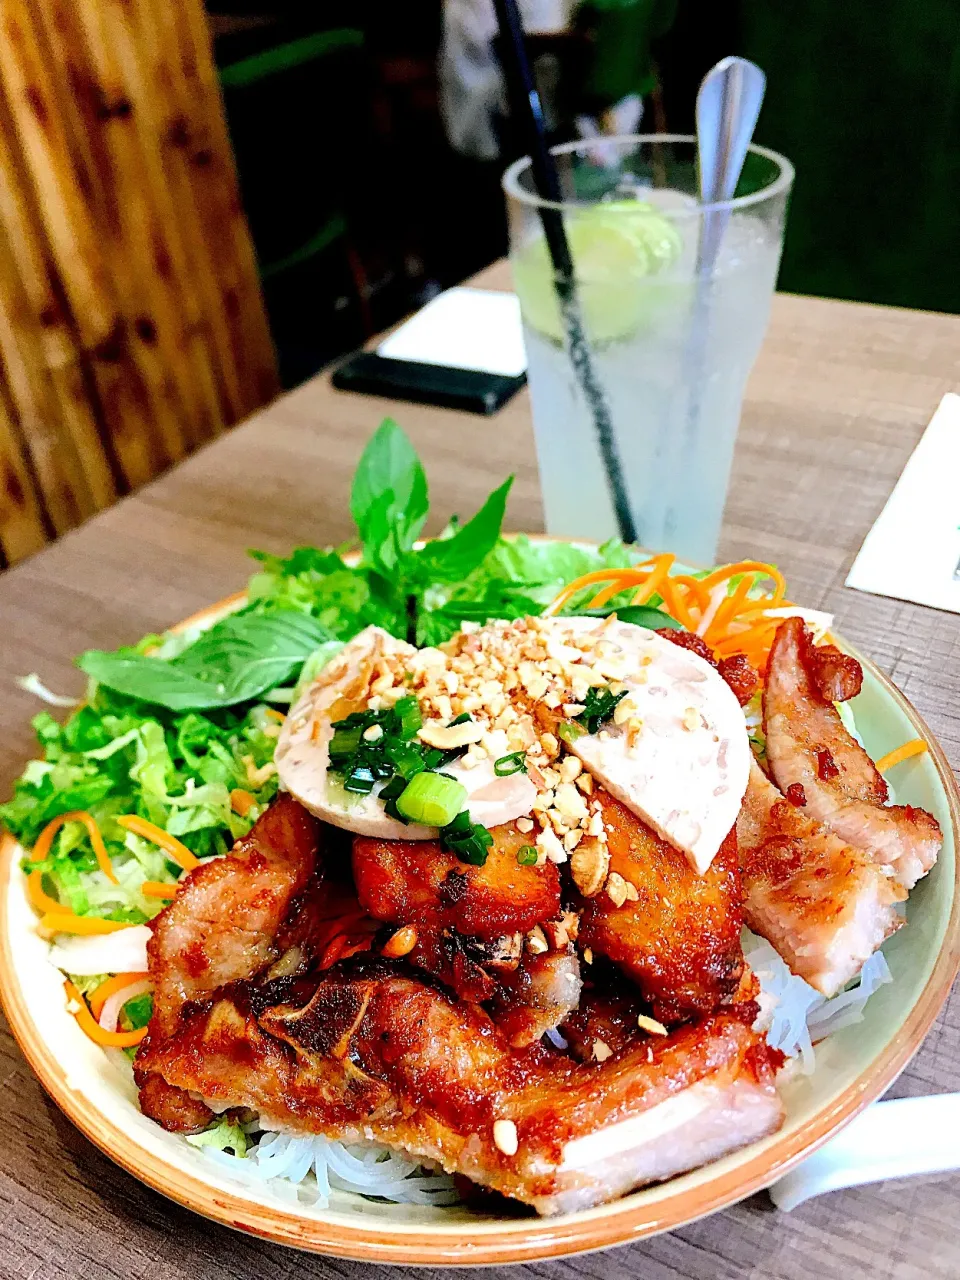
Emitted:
<point x="466" y="389"/>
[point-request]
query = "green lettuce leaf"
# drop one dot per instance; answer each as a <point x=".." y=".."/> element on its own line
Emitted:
<point x="223" y="1136"/>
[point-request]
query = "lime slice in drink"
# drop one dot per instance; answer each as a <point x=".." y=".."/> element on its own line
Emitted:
<point x="652" y="233"/>
<point x="615" y="247"/>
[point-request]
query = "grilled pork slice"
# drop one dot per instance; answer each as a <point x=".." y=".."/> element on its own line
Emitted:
<point x="368" y="1052"/>
<point x="809" y="748"/>
<point x="223" y="924"/>
<point x="824" y="905"/>
<point x="417" y="882"/>
<point x="536" y="996"/>
<point x="679" y="938"/>
<point x="470" y="923"/>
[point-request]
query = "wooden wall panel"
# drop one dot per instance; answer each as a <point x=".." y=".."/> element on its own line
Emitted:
<point x="132" y="327"/>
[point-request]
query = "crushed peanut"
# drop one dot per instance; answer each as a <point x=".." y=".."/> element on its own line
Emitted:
<point x="570" y="769"/>
<point x="571" y="922"/>
<point x="401" y="943"/>
<point x="616" y="888"/>
<point x="589" y="865"/>
<point x="516" y="680"/>
<point x="601" y="1051"/>
<point x="536" y="941"/>
<point x="652" y="1025"/>
<point x="505" y="1137"/>
<point x="449" y="737"/>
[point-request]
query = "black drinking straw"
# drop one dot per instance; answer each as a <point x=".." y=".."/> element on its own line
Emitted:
<point x="526" y="109"/>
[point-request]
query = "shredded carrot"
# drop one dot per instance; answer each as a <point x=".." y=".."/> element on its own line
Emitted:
<point x="728" y="609"/>
<point x="42" y="901"/>
<point x="91" y="1027"/>
<point x="601" y="598"/>
<point x="646" y="577"/>
<point x="915" y="747"/>
<point x="45" y="840"/>
<point x="676" y="605"/>
<point x="274" y="714"/>
<point x="653" y="583"/>
<point x="170" y="844"/>
<point x="64" y="921"/>
<point x="738" y="623"/>
<point x="727" y="571"/>
<point x="694" y="589"/>
<point x="241" y="801"/>
<point x="342" y="948"/>
<point x="739" y="641"/>
<point x="158" y="889"/>
<point x="588" y="579"/>
<point x="106" y="989"/>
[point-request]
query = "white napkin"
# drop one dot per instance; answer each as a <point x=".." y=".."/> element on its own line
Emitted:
<point x="913" y="550"/>
<point x="463" y="329"/>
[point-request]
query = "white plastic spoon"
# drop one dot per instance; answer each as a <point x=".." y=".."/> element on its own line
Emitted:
<point x="897" y="1139"/>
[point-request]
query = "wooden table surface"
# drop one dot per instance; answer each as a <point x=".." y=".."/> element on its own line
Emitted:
<point x="838" y="399"/>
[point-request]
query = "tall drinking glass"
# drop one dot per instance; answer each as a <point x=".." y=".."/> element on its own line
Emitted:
<point x="674" y="298"/>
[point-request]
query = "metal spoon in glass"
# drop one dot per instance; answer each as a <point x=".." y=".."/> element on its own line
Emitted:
<point x="728" y="105"/>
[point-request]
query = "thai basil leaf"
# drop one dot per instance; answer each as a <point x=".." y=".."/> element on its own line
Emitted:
<point x="237" y="659"/>
<point x="389" y="499"/>
<point x="452" y="559"/>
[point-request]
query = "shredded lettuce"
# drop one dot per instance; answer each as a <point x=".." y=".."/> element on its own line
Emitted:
<point x="114" y="756"/>
<point x="225" y="1135"/>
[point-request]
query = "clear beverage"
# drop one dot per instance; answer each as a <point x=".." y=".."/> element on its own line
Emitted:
<point x="671" y="344"/>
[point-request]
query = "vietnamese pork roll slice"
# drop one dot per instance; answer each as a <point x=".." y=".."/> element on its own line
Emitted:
<point x="676" y="751"/>
<point x="347" y="685"/>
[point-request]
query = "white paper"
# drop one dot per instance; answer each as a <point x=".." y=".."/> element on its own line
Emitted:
<point x="913" y="550"/>
<point x="463" y="329"/>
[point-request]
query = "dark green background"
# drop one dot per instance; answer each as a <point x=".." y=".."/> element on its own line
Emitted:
<point x="863" y="98"/>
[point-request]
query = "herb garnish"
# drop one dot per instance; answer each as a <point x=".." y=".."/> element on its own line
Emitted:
<point x="394" y="756"/>
<point x="598" y="707"/>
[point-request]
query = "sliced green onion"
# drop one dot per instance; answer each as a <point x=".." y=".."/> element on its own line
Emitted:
<point x="410" y="715"/>
<point x="394" y="789"/>
<point x="570" y="731"/>
<point x="432" y="799"/>
<point x="468" y="840"/>
<point x="515" y="762"/>
<point x="460" y="826"/>
<point x="527" y="856"/>
<point x="345" y="743"/>
<point x="464" y="718"/>
<point x="360" y="779"/>
<point x="435" y="758"/>
<point x="390" y="794"/>
<point x="408" y="758"/>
